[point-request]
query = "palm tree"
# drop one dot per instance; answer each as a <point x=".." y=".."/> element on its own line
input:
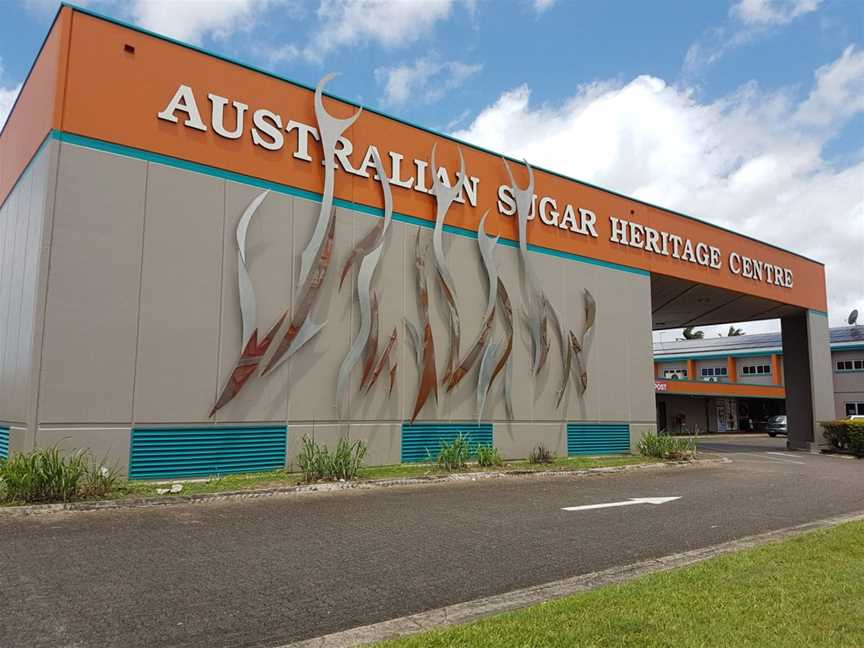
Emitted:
<point x="735" y="332"/>
<point x="690" y="334"/>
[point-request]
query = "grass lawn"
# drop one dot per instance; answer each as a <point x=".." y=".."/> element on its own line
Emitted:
<point x="281" y="478"/>
<point x="806" y="591"/>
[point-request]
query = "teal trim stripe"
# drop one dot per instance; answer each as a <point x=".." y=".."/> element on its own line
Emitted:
<point x="117" y="149"/>
<point x="421" y="441"/>
<point x="598" y="438"/>
<point x="818" y="313"/>
<point x="166" y="453"/>
<point x="718" y="356"/>
<point x="4" y="442"/>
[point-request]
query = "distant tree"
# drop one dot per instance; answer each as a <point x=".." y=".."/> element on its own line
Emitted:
<point x="735" y="332"/>
<point x="690" y="334"/>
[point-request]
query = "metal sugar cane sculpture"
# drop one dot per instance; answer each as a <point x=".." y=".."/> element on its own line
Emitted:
<point x="444" y="197"/>
<point x="488" y="370"/>
<point x="369" y="250"/>
<point x="316" y="256"/>
<point x="252" y="351"/>
<point x="424" y="346"/>
<point x="535" y="311"/>
<point x="577" y="344"/>
<point x="486" y="244"/>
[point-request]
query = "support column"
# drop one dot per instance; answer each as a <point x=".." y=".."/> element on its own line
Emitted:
<point x="691" y="369"/>
<point x="807" y="373"/>
<point x="776" y="371"/>
<point x="731" y="369"/>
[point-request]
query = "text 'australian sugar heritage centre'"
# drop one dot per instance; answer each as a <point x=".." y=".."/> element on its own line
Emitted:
<point x="198" y="254"/>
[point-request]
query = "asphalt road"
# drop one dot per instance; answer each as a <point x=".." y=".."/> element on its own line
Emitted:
<point x="270" y="571"/>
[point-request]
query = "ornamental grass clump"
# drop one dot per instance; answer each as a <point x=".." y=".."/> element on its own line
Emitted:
<point x="454" y="455"/>
<point x="488" y="457"/>
<point x="666" y="447"/>
<point x="317" y="463"/>
<point x="541" y="455"/>
<point x="47" y="475"/>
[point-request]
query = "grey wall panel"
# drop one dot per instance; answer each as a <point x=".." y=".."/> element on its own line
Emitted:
<point x="639" y="359"/>
<point x="93" y="288"/>
<point x="270" y="235"/>
<point x="107" y="445"/>
<point x="383" y="442"/>
<point x="517" y="440"/>
<point x="21" y="222"/>
<point x="180" y="289"/>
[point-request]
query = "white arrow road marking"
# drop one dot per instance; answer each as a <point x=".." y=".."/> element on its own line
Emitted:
<point x="630" y="502"/>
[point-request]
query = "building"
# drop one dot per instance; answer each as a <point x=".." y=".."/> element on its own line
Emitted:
<point x="175" y="227"/>
<point x="732" y="384"/>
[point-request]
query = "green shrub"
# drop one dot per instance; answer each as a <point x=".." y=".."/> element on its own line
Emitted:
<point x="666" y="447"/>
<point x="487" y="456"/>
<point x="100" y="481"/>
<point x="845" y="435"/>
<point x="454" y="455"/>
<point x="44" y="475"/>
<point x="317" y="463"/>
<point x="541" y="455"/>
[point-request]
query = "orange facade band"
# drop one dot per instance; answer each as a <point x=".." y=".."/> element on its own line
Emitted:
<point x="170" y="99"/>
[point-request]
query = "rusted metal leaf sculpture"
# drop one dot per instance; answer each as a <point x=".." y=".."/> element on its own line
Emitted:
<point x="444" y="197"/>
<point x="365" y="344"/>
<point x="383" y="361"/>
<point x="370" y="351"/>
<point x="486" y="244"/>
<point x="252" y="351"/>
<point x="428" y="383"/>
<point x="313" y="266"/>
<point x="535" y="300"/>
<point x="302" y="327"/>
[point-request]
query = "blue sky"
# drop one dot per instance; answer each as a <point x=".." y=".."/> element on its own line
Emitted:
<point x="748" y="113"/>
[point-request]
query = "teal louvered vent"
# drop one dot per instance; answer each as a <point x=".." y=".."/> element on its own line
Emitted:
<point x="4" y="442"/>
<point x="598" y="438"/>
<point x="160" y="453"/>
<point x="421" y="441"/>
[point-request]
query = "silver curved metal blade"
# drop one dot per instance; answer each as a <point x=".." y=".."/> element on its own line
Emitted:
<point x="484" y="376"/>
<point x="487" y="244"/>
<point x="330" y="129"/>
<point x="508" y="388"/>
<point x="307" y="331"/>
<point x="590" y="313"/>
<point x="564" y="344"/>
<point x="414" y="336"/>
<point x="364" y="294"/>
<point x="248" y="304"/>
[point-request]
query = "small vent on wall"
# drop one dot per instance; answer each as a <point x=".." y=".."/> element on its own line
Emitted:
<point x="4" y="442"/>
<point x="422" y="440"/>
<point x="598" y="438"/>
<point x="159" y="453"/>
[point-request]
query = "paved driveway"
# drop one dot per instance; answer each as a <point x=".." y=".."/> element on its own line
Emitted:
<point x="270" y="571"/>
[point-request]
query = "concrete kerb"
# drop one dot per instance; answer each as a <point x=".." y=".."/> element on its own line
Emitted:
<point x="469" y="611"/>
<point x="331" y="487"/>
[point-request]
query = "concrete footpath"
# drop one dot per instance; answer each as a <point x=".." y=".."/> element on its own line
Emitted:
<point x="269" y="572"/>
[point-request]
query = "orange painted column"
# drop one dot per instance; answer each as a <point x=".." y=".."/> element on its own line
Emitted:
<point x="691" y="369"/>
<point x="656" y="369"/>
<point x="731" y="369"/>
<point x="776" y="369"/>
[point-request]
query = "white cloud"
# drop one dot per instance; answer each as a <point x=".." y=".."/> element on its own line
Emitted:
<point x="391" y="24"/>
<point x="542" y="5"/>
<point x="7" y="100"/>
<point x="772" y="12"/>
<point x="751" y="161"/>
<point x="749" y="19"/>
<point x="191" y="21"/>
<point x="424" y="81"/>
